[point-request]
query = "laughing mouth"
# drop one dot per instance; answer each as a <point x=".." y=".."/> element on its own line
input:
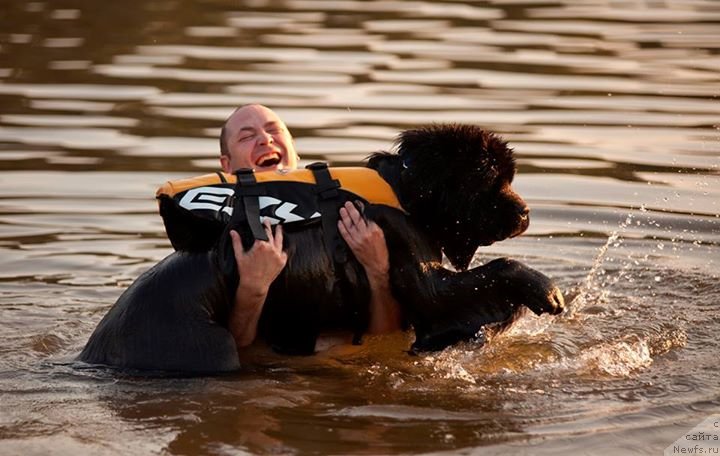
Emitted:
<point x="268" y="160"/>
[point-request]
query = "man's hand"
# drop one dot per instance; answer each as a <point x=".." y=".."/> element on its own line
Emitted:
<point x="367" y="242"/>
<point x="260" y="265"/>
<point x="258" y="268"/>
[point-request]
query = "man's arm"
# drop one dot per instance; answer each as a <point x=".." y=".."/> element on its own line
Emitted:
<point x="257" y="268"/>
<point x="367" y="242"/>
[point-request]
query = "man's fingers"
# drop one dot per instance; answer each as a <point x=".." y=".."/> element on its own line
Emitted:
<point x="345" y="220"/>
<point x="345" y="217"/>
<point x="278" y="237"/>
<point x="236" y="243"/>
<point x="268" y="231"/>
<point x="354" y="214"/>
<point x="346" y="233"/>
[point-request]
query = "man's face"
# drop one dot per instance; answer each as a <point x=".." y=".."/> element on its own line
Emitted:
<point x="257" y="138"/>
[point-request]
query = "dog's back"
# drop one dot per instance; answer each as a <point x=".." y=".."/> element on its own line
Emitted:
<point x="170" y="319"/>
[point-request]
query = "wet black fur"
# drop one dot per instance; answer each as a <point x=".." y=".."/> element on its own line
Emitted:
<point x="455" y="183"/>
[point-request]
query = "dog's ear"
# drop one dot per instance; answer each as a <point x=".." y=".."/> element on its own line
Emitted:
<point x="460" y="252"/>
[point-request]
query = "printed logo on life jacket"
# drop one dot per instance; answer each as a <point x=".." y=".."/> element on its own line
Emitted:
<point x="208" y="198"/>
<point x="282" y="212"/>
<point x="215" y="199"/>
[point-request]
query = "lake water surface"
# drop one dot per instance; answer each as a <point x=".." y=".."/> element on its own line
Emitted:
<point x="612" y="107"/>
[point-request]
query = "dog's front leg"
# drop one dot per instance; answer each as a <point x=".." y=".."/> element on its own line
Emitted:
<point x="524" y="285"/>
<point x="489" y="294"/>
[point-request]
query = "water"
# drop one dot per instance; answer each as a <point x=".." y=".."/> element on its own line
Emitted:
<point x="612" y="108"/>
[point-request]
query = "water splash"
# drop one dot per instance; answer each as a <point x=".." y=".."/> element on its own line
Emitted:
<point x="595" y="286"/>
<point x="449" y="364"/>
<point x="619" y="358"/>
<point x="530" y="325"/>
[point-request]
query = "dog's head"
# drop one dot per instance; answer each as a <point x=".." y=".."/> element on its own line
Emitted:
<point x="456" y="182"/>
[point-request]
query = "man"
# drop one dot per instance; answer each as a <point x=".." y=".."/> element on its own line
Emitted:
<point x="255" y="137"/>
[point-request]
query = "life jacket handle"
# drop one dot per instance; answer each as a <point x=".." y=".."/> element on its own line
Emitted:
<point x="328" y="193"/>
<point x="247" y="192"/>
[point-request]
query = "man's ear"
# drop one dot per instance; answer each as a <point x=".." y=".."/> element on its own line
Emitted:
<point x="225" y="163"/>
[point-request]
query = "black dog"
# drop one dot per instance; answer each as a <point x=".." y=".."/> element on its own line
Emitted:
<point x="454" y="181"/>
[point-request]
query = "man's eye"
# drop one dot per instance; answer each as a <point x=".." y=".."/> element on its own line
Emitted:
<point x="244" y="138"/>
<point x="274" y="131"/>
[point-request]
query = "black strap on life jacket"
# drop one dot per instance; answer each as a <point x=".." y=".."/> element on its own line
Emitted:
<point x="240" y="201"/>
<point x="329" y="201"/>
<point x="327" y="190"/>
<point x="248" y="191"/>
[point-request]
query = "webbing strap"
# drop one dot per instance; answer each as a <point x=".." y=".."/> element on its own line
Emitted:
<point x="248" y="191"/>
<point x="327" y="190"/>
<point x="328" y="193"/>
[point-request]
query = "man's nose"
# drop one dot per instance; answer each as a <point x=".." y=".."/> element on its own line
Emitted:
<point x="265" y="137"/>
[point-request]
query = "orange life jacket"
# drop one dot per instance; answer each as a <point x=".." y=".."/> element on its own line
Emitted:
<point x="195" y="209"/>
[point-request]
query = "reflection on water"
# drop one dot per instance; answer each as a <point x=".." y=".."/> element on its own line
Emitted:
<point x="611" y="107"/>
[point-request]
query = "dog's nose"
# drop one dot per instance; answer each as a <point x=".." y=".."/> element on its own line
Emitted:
<point x="524" y="212"/>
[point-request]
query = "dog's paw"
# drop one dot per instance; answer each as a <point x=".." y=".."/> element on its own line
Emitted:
<point x="551" y="302"/>
<point x="531" y="288"/>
